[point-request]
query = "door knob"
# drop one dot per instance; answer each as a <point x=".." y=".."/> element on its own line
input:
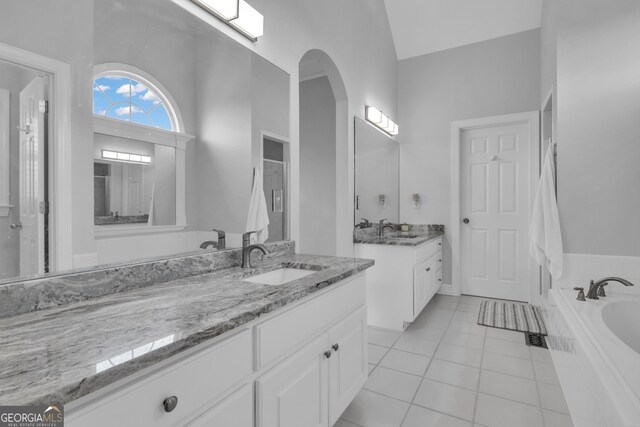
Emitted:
<point x="466" y="220"/>
<point x="16" y="226"/>
<point x="26" y="129"/>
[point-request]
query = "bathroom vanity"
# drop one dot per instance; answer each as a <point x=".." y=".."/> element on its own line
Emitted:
<point x="217" y="348"/>
<point x="406" y="275"/>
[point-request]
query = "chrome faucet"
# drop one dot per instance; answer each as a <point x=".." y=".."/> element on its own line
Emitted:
<point x="596" y="289"/>
<point x="247" y="248"/>
<point x="364" y="223"/>
<point x="382" y="226"/>
<point x="205" y="245"/>
<point x="222" y="238"/>
<point x="220" y="244"/>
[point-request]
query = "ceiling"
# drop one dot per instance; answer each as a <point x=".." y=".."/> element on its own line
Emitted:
<point x="426" y="26"/>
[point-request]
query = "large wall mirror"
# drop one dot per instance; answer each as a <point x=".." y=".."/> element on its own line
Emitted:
<point x="168" y="120"/>
<point x="377" y="186"/>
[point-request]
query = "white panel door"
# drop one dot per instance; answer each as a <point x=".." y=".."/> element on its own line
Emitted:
<point x="295" y="392"/>
<point x="348" y="365"/>
<point x="32" y="177"/>
<point x="494" y="204"/>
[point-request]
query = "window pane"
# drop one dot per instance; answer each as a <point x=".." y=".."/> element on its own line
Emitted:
<point x="127" y="99"/>
<point x="160" y="118"/>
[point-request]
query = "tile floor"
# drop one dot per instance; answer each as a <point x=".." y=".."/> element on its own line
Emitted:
<point x="445" y="370"/>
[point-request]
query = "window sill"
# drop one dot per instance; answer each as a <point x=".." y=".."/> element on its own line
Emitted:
<point x="130" y="230"/>
<point x="122" y="129"/>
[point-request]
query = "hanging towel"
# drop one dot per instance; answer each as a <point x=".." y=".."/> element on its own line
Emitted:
<point x="545" y="237"/>
<point x="258" y="218"/>
<point x="152" y="215"/>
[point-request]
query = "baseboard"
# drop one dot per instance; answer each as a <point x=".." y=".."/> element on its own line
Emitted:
<point x="447" y="289"/>
<point x="580" y="269"/>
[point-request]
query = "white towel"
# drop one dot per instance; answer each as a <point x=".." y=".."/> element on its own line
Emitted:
<point x="152" y="214"/>
<point x="545" y="237"/>
<point x="258" y="218"/>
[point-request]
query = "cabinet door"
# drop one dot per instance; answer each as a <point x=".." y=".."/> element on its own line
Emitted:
<point x="236" y="410"/>
<point x="348" y="367"/>
<point x="421" y="287"/>
<point x="294" y="393"/>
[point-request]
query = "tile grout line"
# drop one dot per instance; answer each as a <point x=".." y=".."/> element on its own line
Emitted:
<point x="475" y="403"/>
<point x="535" y="376"/>
<point x="429" y="365"/>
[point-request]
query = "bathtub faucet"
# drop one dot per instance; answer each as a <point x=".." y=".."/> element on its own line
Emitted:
<point x="596" y="289"/>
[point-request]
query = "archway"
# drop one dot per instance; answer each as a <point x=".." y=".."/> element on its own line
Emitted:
<point x="323" y="153"/>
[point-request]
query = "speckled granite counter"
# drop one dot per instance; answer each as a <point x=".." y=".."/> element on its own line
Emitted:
<point x="398" y="238"/>
<point x="60" y="354"/>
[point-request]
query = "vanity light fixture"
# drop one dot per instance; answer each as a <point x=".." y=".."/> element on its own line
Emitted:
<point x="249" y="22"/>
<point x="125" y="157"/>
<point x="375" y="117"/>
<point x="237" y="14"/>
<point x="223" y="9"/>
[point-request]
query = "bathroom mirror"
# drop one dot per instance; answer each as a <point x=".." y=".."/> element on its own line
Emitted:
<point x="377" y="161"/>
<point x="167" y="121"/>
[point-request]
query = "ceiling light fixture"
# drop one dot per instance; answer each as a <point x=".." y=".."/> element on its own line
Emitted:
<point x="379" y="120"/>
<point x="237" y="14"/>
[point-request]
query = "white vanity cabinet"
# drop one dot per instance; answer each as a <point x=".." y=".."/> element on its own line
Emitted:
<point x="299" y="366"/>
<point x="402" y="281"/>
<point x="316" y="384"/>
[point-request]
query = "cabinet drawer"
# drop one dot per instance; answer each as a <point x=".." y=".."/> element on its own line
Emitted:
<point x="280" y="335"/>
<point x="197" y="381"/>
<point x="236" y="410"/>
<point x="427" y="250"/>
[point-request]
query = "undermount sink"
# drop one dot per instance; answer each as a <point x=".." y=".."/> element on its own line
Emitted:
<point x="279" y="276"/>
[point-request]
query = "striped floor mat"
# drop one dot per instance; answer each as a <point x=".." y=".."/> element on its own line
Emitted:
<point x="513" y="316"/>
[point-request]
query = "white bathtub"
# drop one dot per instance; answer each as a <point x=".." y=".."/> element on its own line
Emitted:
<point x="595" y="346"/>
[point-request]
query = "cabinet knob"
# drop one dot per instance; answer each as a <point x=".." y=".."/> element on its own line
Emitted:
<point x="439" y="243"/>
<point x="327" y="354"/>
<point x="335" y="347"/>
<point x="429" y="269"/>
<point x="439" y="280"/>
<point x="439" y="260"/>
<point x="170" y="403"/>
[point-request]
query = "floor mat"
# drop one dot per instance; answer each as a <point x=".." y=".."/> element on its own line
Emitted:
<point x="512" y="316"/>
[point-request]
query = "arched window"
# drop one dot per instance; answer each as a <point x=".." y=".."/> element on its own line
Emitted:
<point x="125" y="93"/>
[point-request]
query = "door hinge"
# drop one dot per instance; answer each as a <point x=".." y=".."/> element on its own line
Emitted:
<point x="44" y="208"/>
<point x="43" y="106"/>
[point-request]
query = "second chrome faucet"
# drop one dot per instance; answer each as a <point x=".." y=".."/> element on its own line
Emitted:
<point x="247" y="248"/>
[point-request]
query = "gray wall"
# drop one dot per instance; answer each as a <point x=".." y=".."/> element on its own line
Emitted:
<point x="599" y="126"/>
<point x="317" y="167"/>
<point x="494" y="77"/>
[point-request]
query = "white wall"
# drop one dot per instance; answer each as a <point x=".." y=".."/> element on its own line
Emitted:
<point x="598" y="60"/>
<point x="317" y="167"/>
<point x="499" y="76"/>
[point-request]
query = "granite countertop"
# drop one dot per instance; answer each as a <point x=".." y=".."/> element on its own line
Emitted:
<point x="61" y="354"/>
<point x="398" y="238"/>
